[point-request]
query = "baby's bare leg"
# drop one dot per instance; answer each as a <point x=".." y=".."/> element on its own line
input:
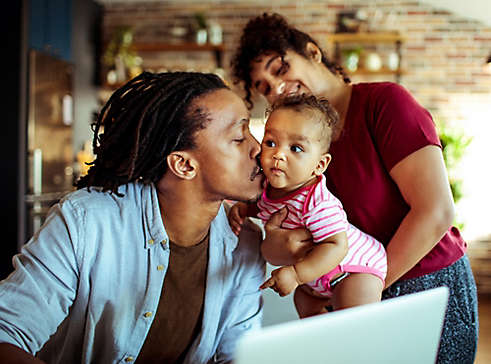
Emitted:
<point x="308" y="305"/>
<point x="357" y="289"/>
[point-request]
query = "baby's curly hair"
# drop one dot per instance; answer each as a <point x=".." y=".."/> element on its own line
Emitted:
<point x="320" y="108"/>
<point x="271" y="33"/>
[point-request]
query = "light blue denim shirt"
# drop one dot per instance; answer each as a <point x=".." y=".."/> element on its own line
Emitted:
<point x="87" y="285"/>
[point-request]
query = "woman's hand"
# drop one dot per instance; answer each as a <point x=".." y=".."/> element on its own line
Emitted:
<point x="284" y="246"/>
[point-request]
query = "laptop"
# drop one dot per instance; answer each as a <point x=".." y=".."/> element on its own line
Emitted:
<point x="401" y="330"/>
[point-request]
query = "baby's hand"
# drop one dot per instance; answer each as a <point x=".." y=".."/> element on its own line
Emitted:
<point x="236" y="216"/>
<point x="283" y="280"/>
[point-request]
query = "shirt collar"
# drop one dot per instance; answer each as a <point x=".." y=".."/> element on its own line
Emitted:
<point x="154" y="228"/>
<point x="155" y="231"/>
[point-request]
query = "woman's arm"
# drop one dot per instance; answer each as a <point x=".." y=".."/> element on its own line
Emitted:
<point x="423" y="182"/>
<point x="282" y="246"/>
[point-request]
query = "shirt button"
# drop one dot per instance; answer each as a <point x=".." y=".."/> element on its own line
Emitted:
<point x="160" y="267"/>
<point x="147" y="314"/>
<point x="164" y="242"/>
<point x="129" y="359"/>
<point x="150" y="242"/>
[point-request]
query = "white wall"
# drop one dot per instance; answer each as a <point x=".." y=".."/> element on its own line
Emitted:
<point x="475" y="9"/>
<point x="277" y="309"/>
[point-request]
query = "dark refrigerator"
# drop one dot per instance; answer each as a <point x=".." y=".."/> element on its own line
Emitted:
<point x="49" y="136"/>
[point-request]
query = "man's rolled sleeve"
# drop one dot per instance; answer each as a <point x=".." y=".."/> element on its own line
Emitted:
<point x="36" y="297"/>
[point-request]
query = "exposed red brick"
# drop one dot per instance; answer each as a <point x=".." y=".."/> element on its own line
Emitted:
<point x="414" y="49"/>
<point x="417" y="13"/>
<point x="465" y="83"/>
<point x="442" y="54"/>
<point x="336" y="7"/>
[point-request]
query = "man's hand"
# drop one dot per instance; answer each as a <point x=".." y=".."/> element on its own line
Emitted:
<point x="283" y="280"/>
<point x="284" y="246"/>
<point x="236" y="216"/>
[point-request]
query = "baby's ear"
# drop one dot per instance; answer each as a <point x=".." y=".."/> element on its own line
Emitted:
<point x="322" y="165"/>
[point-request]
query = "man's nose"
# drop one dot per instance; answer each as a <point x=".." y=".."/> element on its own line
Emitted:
<point x="255" y="149"/>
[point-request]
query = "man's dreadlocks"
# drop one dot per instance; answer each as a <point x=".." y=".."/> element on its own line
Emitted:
<point x="143" y="122"/>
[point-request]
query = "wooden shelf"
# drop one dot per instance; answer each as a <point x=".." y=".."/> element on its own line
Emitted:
<point x="217" y="49"/>
<point x="391" y="37"/>
<point x="382" y="71"/>
<point x="156" y="47"/>
<point x="342" y="41"/>
<point x="177" y="47"/>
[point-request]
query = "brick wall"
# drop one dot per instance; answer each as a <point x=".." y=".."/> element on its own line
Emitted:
<point x="443" y="58"/>
<point x="443" y="53"/>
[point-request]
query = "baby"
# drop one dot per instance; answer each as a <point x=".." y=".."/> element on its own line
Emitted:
<point x="346" y="267"/>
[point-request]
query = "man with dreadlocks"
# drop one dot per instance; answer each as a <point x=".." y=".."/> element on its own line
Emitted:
<point x="140" y="263"/>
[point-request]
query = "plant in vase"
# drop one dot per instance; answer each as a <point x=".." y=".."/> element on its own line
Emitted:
<point x="200" y="25"/>
<point x="120" y="57"/>
<point x="351" y="57"/>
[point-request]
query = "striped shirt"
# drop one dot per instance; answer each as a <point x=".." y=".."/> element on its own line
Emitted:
<point x="318" y="210"/>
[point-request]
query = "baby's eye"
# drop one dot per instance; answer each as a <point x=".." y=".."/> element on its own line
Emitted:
<point x="269" y="143"/>
<point x="296" y="149"/>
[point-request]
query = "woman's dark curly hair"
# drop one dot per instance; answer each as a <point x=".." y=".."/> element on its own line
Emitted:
<point x="271" y="33"/>
<point x="321" y="107"/>
<point x="143" y="122"/>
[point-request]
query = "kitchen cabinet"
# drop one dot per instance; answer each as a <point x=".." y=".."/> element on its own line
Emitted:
<point x="366" y="44"/>
<point x="50" y="27"/>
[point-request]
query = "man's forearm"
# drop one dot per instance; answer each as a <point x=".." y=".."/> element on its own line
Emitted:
<point x="11" y="354"/>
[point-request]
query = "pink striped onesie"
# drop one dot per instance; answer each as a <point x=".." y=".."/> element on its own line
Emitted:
<point x="318" y="210"/>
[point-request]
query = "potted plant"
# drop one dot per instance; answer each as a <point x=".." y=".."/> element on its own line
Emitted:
<point x="120" y="56"/>
<point x="454" y="142"/>
<point x="200" y="26"/>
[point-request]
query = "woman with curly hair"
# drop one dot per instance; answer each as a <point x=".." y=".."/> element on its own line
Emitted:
<point x="387" y="169"/>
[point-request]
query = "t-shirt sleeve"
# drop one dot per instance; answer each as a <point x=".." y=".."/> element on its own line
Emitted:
<point x="400" y="125"/>
<point x="326" y="219"/>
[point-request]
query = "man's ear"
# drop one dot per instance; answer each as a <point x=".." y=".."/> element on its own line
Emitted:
<point x="182" y="164"/>
<point x="313" y="52"/>
<point x="322" y="165"/>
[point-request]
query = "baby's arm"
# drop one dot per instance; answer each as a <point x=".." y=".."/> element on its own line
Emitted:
<point x="323" y="258"/>
<point x="238" y="212"/>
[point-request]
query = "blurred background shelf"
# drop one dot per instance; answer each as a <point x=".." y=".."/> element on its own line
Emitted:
<point x="217" y="49"/>
<point x="383" y="37"/>
<point x="363" y="45"/>
<point x="382" y="71"/>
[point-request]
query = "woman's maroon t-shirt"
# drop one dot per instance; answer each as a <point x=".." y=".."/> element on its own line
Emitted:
<point x="384" y="124"/>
